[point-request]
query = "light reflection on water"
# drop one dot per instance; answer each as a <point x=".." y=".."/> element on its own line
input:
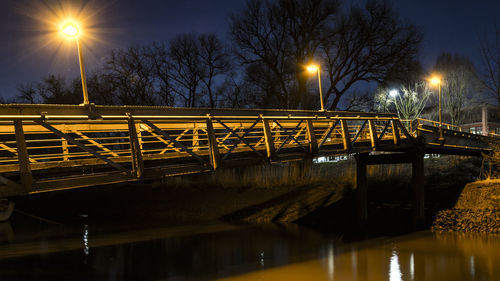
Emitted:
<point x="218" y="251"/>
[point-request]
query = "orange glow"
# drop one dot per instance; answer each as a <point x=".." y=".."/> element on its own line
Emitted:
<point x="312" y="68"/>
<point x="70" y="29"/>
<point x="51" y="28"/>
<point x="435" y="81"/>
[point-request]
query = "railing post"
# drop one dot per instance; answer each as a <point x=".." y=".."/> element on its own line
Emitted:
<point x="345" y="135"/>
<point x="135" y="148"/>
<point x="23" y="158"/>
<point x="395" y="132"/>
<point x="311" y="136"/>
<point x="268" y="137"/>
<point x="139" y="134"/>
<point x="373" y="133"/>
<point x="213" y="146"/>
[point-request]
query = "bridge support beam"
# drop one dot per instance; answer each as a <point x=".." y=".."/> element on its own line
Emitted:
<point x="417" y="173"/>
<point x="361" y="187"/>
<point x="416" y="158"/>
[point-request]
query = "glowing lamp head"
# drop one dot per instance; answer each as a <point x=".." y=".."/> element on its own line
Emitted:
<point x="312" y="68"/>
<point x="70" y="29"/>
<point x="435" y="81"/>
<point x="393" y="93"/>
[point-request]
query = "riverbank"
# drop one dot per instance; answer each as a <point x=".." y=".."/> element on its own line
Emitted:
<point x="477" y="210"/>
<point x="305" y="193"/>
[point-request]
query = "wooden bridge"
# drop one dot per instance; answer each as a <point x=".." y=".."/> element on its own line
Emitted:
<point x="53" y="147"/>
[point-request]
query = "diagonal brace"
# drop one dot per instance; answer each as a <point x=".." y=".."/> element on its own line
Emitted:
<point x="81" y="145"/>
<point x="327" y="134"/>
<point x="290" y="135"/>
<point x="173" y="140"/>
<point x="240" y="138"/>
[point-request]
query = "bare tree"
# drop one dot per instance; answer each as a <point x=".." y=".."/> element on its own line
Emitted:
<point x="215" y="62"/>
<point x="367" y="45"/>
<point x="278" y="39"/>
<point x="459" y="84"/>
<point x="28" y="93"/>
<point x="489" y="47"/>
<point x="132" y="75"/>
<point x="186" y="68"/>
<point x="157" y="53"/>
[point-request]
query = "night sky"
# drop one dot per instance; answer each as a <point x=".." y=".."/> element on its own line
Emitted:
<point x="29" y="51"/>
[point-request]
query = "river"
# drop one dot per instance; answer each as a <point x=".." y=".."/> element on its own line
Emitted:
<point x="218" y="251"/>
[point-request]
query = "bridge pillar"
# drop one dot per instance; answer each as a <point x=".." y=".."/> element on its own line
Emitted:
<point x="416" y="158"/>
<point x="418" y="188"/>
<point x="361" y="188"/>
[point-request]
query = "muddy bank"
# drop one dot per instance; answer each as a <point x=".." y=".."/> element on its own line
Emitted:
<point x="477" y="210"/>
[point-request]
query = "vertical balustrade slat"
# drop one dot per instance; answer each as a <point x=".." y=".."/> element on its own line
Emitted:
<point x="213" y="146"/>
<point x="65" y="150"/>
<point x="268" y="136"/>
<point x="23" y="158"/>
<point x="135" y="149"/>
<point x="311" y="136"/>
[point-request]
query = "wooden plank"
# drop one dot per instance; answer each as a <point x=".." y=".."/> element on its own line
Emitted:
<point x="22" y="155"/>
<point x="268" y="136"/>
<point x="346" y="138"/>
<point x="311" y="136"/>
<point x="213" y="145"/>
<point x="81" y="146"/>
<point x="135" y="149"/>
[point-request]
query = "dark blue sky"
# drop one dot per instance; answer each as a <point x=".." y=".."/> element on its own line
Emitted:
<point x="447" y="26"/>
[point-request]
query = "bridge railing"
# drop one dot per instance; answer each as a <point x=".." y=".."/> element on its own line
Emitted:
<point x="40" y="152"/>
<point x="413" y="125"/>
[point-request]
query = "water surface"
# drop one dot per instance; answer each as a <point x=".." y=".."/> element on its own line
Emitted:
<point x="218" y="251"/>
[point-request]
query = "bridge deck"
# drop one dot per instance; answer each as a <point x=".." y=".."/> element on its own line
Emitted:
<point x="52" y="147"/>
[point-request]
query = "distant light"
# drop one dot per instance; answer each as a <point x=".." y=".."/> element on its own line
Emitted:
<point x="312" y="68"/>
<point x="70" y="29"/>
<point x="393" y="93"/>
<point x="435" y="81"/>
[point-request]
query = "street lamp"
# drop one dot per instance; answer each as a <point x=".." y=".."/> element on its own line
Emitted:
<point x="70" y="29"/>
<point x="312" y="69"/>
<point x="436" y="81"/>
<point x="393" y="93"/>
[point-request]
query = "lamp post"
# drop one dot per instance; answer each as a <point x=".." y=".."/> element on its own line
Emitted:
<point x="71" y="30"/>
<point x="436" y="81"/>
<point x="314" y="68"/>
